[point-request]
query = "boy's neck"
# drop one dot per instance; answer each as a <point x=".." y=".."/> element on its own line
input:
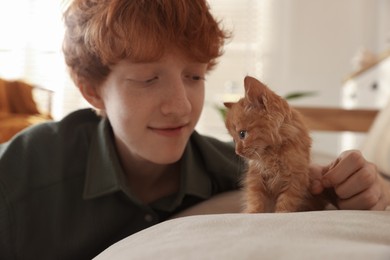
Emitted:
<point x="152" y="182"/>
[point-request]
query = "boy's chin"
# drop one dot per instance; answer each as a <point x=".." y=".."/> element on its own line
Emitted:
<point x="169" y="157"/>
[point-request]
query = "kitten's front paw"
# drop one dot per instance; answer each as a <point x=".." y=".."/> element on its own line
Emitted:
<point x="284" y="208"/>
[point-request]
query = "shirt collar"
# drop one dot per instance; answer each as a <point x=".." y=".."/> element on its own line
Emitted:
<point x="104" y="172"/>
<point x="196" y="180"/>
<point x="103" y="167"/>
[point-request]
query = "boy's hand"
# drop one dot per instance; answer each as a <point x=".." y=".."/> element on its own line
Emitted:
<point x="356" y="182"/>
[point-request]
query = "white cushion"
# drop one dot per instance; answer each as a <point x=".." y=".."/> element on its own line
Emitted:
<point x="305" y="235"/>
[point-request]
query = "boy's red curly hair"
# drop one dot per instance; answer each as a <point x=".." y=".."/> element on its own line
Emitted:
<point x="99" y="33"/>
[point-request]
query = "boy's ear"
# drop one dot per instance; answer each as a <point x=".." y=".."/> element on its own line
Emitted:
<point x="92" y="95"/>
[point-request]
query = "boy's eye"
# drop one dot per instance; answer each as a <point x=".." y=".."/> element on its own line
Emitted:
<point x="143" y="81"/>
<point x="195" y="77"/>
<point x="242" y="134"/>
<point x="151" y="80"/>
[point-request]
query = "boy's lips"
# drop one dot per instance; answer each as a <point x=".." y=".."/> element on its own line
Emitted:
<point x="169" y="131"/>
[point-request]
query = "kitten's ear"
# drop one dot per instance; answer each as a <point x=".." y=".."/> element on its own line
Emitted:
<point x="228" y="104"/>
<point x="256" y="92"/>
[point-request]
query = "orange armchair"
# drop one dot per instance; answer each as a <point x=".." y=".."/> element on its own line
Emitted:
<point x="18" y="108"/>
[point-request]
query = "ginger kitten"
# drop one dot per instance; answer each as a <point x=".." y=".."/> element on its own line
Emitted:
<point x="276" y="144"/>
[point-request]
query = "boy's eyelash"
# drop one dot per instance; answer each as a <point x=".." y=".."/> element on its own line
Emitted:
<point x="190" y="77"/>
<point x="151" y="80"/>
<point x="195" y="77"/>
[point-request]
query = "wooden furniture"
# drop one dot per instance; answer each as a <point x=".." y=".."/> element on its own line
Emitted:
<point x="18" y="108"/>
<point x="338" y="119"/>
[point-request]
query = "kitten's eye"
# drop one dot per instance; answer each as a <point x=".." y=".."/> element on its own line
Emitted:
<point x="242" y="134"/>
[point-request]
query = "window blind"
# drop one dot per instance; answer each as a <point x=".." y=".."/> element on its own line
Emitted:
<point x="32" y="32"/>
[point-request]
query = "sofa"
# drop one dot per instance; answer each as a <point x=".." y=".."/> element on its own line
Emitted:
<point x="18" y="108"/>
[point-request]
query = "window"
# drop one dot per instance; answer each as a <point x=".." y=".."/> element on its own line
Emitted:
<point x="32" y="33"/>
<point x="30" y="49"/>
<point x="242" y="57"/>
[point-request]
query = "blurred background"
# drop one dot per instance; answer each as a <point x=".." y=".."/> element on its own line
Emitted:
<point x="291" y="45"/>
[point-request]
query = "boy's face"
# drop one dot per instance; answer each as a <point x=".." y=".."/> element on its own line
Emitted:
<point x="154" y="107"/>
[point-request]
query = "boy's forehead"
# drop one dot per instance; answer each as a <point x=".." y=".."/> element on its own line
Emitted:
<point x="170" y="55"/>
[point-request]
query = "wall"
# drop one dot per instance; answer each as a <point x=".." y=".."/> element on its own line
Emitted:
<point x="305" y="45"/>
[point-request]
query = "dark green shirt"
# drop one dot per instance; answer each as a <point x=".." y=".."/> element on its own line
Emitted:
<point x="63" y="193"/>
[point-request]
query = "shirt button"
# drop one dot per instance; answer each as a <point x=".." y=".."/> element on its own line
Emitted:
<point x="148" y="218"/>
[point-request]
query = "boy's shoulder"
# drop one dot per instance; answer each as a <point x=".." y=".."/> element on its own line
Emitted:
<point x="49" y="147"/>
<point x="84" y="119"/>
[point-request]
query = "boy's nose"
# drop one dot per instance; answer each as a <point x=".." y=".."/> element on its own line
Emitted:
<point x="176" y="100"/>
